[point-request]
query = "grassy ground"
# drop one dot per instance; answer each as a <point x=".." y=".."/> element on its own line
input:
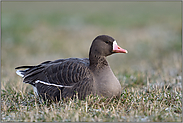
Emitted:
<point x="150" y="74"/>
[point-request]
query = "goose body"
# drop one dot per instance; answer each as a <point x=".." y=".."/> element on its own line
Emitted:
<point x="63" y="78"/>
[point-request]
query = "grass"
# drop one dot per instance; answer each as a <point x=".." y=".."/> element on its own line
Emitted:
<point x="138" y="103"/>
<point x="150" y="74"/>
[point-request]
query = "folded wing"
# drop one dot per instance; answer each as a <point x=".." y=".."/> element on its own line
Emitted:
<point x="59" y="79"/>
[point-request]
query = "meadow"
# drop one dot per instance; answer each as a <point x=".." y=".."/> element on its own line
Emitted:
<point x="150" y="74"/>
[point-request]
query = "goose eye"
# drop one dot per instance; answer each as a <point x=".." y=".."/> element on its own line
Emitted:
<point x="107" y="42"/>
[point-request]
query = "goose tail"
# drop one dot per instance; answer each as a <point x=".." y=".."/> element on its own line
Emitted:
<point x="22" y="72"/>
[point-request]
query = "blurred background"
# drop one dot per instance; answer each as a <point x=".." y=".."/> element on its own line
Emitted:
<point x="33" y="32"/>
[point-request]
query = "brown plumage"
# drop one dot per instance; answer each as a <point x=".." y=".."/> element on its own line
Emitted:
<point x="54" y="80"/>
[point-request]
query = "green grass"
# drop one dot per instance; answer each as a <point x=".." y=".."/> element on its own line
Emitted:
<point x="150" y="74"/>
<point x="139" y="103"/>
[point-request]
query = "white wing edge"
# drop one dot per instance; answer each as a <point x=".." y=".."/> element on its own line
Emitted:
<point x="50" y="84"/>
<point x="19" y="73"/>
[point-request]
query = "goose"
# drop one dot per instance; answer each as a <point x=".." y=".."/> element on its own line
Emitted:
<point x="66" y="78"/>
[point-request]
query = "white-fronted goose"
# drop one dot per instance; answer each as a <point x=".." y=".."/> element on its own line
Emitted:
<point x="54" y="80"/>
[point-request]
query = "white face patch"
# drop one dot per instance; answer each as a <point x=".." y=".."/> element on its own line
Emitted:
<point x="114" y="43"/>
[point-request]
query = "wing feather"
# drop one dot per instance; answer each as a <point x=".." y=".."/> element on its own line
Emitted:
<point x="71" y="75"/>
